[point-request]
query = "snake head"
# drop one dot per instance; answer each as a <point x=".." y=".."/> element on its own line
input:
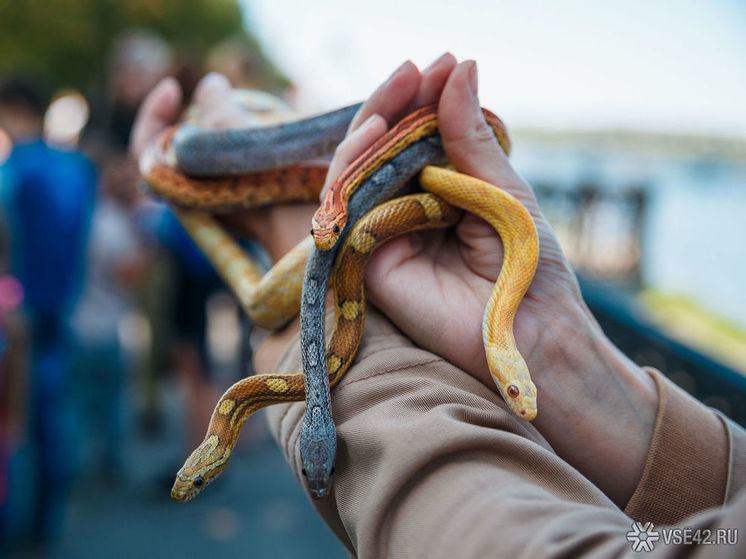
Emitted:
<point x="202" y="466"/>
<point x="520" y="395"/>
<point x="510" y="373"/>
<point x="326" y="227"/>
<point x="318" y="448"/>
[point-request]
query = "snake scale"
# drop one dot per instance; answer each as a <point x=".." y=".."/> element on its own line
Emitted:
<point x="373" y="178"/>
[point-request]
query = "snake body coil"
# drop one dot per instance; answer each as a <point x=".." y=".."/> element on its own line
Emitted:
<point x="330" y="219"/>
<point x="299" y="182"/>
<point x="376" y="176"/>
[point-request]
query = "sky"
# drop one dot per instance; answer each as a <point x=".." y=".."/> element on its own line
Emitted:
<point x="647" y="65"/>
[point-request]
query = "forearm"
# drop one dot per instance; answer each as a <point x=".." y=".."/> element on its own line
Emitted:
<point x="652" y="448"/>
<point x="432" y="465"/>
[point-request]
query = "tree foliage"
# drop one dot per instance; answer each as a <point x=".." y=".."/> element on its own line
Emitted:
<point x="67" y="41"/>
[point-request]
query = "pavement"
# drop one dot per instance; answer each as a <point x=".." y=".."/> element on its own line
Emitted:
<point x="256" y="508"/>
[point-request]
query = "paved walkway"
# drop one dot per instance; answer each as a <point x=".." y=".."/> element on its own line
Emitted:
<point x="255" y="509"/>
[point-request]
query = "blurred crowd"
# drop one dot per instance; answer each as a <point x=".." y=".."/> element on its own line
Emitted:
<point x="100" y="287"/>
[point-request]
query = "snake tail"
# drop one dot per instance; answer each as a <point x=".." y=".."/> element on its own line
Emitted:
<point x="520" y="242"/>
<point x="394" y="218"/>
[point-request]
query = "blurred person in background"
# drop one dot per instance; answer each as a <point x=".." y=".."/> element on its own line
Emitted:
<point x="48" y="197"/>
<point x="13" y="373"/>
<point x="117" y="264"/>
<point x="137" y="60"/>
<point x="194" y="282"/>
<point x="176" y="309"/>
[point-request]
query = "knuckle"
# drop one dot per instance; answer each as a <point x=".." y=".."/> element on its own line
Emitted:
<point x="475" y="133"/>
<point x="482" y="133"/>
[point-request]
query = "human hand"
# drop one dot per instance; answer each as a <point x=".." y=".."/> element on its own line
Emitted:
<point x="162" y="106"/>
<point x="277" y="227"/>
<point x="458" y="270"/>
<point x="434" y="286"/>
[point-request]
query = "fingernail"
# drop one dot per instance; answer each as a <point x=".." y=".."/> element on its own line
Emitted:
<point x="169" y="82"/>
<point x="213" y="79"/>
<point x="473" y="78"/>
<point x="399" y="70"/>
<point x="369" y="121"/>
<point x="436" y="62"/>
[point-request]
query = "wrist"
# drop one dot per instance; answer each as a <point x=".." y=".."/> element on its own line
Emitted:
<point x="596" y="407"/>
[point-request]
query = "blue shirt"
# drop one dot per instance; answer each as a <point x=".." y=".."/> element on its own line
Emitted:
<point x="48" y="196"/>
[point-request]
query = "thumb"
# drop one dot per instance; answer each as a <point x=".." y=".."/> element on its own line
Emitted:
<point x="159" y="109"/>
<point x="469" y="141"/>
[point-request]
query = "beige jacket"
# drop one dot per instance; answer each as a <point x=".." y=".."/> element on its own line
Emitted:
<point x="431" y="464"/>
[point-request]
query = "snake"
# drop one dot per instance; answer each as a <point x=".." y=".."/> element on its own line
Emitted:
<point x="393" y="218"/>
<point x="374" y="177"/>
<point x="205" y="152"/>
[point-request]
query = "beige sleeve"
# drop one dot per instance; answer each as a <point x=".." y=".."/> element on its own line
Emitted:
<point x="696" y="459"/>
<point x="431" y="464"/>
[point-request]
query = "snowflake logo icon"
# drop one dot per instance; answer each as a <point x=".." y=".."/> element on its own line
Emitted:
<point x="643" y="536"/>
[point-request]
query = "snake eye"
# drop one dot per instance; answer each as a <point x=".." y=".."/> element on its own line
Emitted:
<point x="199" y="481"/>
<point x="336" y="228"/>
<point x="311" y="230"/>
<point x="513" y="391"/>
<point x="303" y="471"/>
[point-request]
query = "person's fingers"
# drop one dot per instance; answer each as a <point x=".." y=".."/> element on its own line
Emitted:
<point x="404" y="90"/>
<point x="390" y="99"/>
<point x="216" y="106"/>
<point x="392" y="96"/>
<point x="211" y="91"/>
<point x="434" y="78"/>
<point x="159" y="109"/>
<point x="467" y="139"/>
<point x="352" y="146"/>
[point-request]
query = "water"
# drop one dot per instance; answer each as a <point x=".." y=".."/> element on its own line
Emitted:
<point x="694" y="236"/>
